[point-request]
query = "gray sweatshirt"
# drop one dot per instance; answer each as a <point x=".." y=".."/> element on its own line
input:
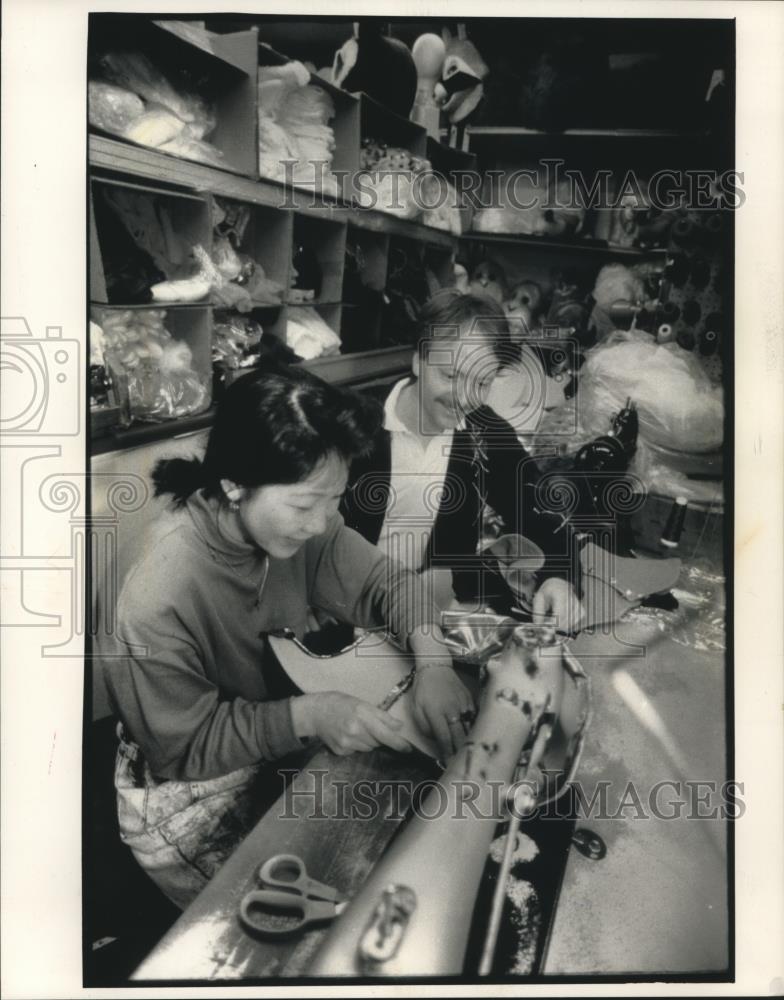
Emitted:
<point x="192" y="616"/>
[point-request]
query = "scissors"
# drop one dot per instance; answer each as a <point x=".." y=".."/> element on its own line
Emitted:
<point x="290" y="901"/>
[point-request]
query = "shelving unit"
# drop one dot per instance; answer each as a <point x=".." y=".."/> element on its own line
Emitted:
<point x="359" y="250"/>
<point x="281" y="217"/>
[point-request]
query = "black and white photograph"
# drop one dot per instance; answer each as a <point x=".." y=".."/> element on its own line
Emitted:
<point x="396" y="537"/>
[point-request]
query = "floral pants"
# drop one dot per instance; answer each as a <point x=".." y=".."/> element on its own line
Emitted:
<point x="181" y="832"/>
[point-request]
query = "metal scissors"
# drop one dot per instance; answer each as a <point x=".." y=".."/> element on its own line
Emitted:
<point x="290" y="900"/>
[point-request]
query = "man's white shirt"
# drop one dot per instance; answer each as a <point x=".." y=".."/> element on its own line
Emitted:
<point x="417" y="481"/>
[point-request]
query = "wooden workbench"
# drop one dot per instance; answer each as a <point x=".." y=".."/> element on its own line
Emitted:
<point x="655" y="904"/>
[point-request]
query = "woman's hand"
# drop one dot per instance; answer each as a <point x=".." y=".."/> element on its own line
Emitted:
<point x="345" y="723"/>
<point x="442" y="705"/>
<point x="555" y="603"/>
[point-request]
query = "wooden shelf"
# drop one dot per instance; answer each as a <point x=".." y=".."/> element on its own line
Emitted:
<point x="512" y="131"/>
<point x="119" y="306"/>
<point x="583" y="246"/>
<point x="115" y="156"/>
<point x="367" y="367"/>
<point x="138" y="434"/>
<point x="355" y="369"/>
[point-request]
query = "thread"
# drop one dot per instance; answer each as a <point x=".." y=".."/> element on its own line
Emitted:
<point x="673" y="529"/>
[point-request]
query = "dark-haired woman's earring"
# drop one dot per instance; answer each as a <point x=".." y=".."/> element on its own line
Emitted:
<point x="233" y="505"/>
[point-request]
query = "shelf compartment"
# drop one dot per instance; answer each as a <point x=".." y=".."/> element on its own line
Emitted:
<point x="344" y="124"/>
<point x="364" y="280"/>
<point x="189" y="215"/>
<point x="378" y="122"/>
<point x="192" y="327"/>
<point x="372" y="120"/>
<point x="326" y="242"/>
<point x="460" y="169"/>
<point x="267" y="240"/>
<point x="221" y="68"/>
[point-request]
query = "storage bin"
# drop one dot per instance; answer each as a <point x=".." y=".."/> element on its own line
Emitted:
<point x="219" y="70"/>
<point x="163" y="225"/>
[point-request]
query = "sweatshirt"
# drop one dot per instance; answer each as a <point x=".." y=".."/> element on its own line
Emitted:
<point x="190" y="684"/>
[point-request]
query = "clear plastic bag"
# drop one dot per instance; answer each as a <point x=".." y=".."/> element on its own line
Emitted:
<point x="112" y="108"/>
<point x="135" y="72"/>
<point x="153" y="373"/>
<point x="678" y="407"/>
<point x="235" y="342"/>
<point x="153" y="112"/>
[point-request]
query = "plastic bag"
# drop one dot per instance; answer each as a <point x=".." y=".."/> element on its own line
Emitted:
<point x="166" y="119"/>
<point x="677" y="405"/>
<point x="155" y="127"/>
<point x="152" y="372"/>
<point x="188" y="148"/>
<point x="112" y="108"/>
<point x="392" y="192"/>
<point x="235" y="342"/>
<point x="308" y="335"/>
<point x="135" y="72"/>
<point x="441" y="195"/>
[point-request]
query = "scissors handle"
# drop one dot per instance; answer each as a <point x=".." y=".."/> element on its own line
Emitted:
<point x="279" y="914"/>
<point x="288" y="872"/>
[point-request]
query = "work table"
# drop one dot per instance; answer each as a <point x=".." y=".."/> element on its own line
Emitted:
<point x="656" y="903"/>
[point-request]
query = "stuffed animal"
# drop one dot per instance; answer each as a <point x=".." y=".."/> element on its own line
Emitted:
<point x="634" y="221"/>
<point x="380" y="66"/>
<point x="567" y="307"/>
<point x="461" y="278"/>
<point x="615" y="283"/>
<point x="522" y="307"/>
<point x="560" y="217"/>
<point x="460" y="88"/>
<point x="527" y="294"/>
<point x="489" y="280"/>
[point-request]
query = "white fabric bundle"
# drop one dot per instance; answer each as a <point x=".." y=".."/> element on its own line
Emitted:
<point x="293" y="125"/>
<point x="308" y="335"/>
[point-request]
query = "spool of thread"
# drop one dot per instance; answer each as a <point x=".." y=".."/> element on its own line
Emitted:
<point x="714" y="224"/>
<point x="683" y="231"/>
<point x="673" y="529"/>
<point x="669" y="312"/>
<point x="664" y="334"/>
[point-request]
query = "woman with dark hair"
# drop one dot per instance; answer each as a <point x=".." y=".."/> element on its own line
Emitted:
<point x="253" y="541"/>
